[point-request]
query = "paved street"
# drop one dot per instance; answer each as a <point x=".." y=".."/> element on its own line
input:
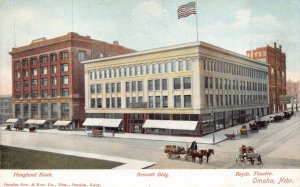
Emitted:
<point x="278" y="145"/>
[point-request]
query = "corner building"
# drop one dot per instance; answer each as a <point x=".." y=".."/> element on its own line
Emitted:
<point x="188" y="89"/>
<point x="277" y="74"/>
<point x="48" y="78"/>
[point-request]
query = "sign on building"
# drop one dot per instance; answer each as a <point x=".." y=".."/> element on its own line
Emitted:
<point x="285" y="99"/>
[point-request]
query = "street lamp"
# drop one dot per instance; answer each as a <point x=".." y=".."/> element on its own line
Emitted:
<point x="213" y="117"/>
<point x="214" y="141"/>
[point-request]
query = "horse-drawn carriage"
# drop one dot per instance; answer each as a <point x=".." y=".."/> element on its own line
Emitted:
<point x="230" y="136"/>
<point x="19" y="127"/>
<point x="278" y="117"/>
<point x="253" y="126"/>
<point x="287" y="115"/>
<point x="262" y="124"/>
<point x="248" y="154"/>
<point x="174" y="151"/>
<point x="244" y="131"/>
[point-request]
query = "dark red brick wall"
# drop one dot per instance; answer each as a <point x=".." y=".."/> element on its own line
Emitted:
<point x="72" y="42"/>
<point x="273" y="55"/>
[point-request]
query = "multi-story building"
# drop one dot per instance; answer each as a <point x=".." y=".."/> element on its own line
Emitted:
<point x="5" y="108"/>
<point x="193" y="89"/>
<point x="277" y="74"/>
<point x="48" y="78"/>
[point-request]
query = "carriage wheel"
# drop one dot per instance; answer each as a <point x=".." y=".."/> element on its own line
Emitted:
<point x="169" y="155"/>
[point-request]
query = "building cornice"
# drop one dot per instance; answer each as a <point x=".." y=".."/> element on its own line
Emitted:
<point x="231" y="53"/>
<point x="175" y="47"/>
<point x="145" y="52"/>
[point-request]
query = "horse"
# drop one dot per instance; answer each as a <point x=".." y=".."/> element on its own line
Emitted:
<point x="32" y="129"/>
<point x="19" y="127"/>
<point x="207" y="153"/>
<point x="8" y="128"/>
<point x="197" y="154"/>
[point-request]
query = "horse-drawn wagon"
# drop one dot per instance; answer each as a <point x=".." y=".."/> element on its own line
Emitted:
<point x="244" y="131"/>
<point x="287" y="115"/>
<point x="230" y="136"/>
<point x="262" y="124"/>
<point x="278" y="117"/>
<point x="253" y="126"/>
<point x="174" y="151"/>
<point x="248" y="154"/>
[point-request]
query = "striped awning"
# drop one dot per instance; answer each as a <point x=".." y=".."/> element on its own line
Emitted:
<point x="11" y="120"/>
<point x="62" y="123"/>
<point x="34" y="121"/>
<point x="170" y="124"/>
<point x="102" y="122"/>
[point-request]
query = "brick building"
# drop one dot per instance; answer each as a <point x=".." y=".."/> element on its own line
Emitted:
<point x="277" y="73"/>
<point x="48" y="78"/>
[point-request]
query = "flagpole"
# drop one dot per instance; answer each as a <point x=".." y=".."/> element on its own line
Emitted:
<point x="196" y="19"/>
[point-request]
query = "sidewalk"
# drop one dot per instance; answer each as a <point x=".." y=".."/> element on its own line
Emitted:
<point x="207" y="139"/>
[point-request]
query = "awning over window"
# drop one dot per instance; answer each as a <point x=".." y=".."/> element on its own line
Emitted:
<point x="11" y="120"/>
<point x="62" y="123"/>
<point x="170" y="124"/>
<point x="34" y="121"/>
<point x="103" y="122"/>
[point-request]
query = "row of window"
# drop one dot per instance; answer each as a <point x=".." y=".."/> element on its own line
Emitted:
<point x="163" y="67"/>
<point x="44" y="82"/>
<point x="153" y="102"/>
<point x="217" y="100"/>
<point x="64" y="55"/>
<point x="43" y="93"/>
<point x="44" y="107"/>
<point x="157" y="84"/>
<point x="229" y="68"/>
<point x="43" y="71"/>
<point x="236" y="85"/>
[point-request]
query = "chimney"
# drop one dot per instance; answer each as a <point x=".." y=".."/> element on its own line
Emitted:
<point x="115" y="42"/>
<point x="275" y="45"/>
<point x="280" y="47"/>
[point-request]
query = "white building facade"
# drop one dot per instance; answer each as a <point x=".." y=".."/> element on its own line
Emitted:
<point x="197" y="87"/>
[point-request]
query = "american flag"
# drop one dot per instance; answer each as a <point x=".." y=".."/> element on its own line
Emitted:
<point x="186" y="10"/>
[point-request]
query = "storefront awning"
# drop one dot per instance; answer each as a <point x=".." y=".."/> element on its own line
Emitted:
<point x="34" y="121"/>
<point x="11" y="120"/>
<point x="103" y="122"/>
<point x="62" y="123"/>
<point x="170" y="124"/>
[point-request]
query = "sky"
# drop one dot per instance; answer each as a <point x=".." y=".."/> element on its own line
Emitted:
<point x="236" y="25"/>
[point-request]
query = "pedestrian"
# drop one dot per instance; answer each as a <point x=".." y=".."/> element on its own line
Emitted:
<point x="113" y="133"/>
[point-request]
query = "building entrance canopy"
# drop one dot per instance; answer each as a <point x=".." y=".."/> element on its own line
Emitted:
<point x="170" y="124"/>
<point x="103" y="122"/>
<point x="34" y="121"/>
<point x="11" y="120"/>
<point x="62" y="123"/>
